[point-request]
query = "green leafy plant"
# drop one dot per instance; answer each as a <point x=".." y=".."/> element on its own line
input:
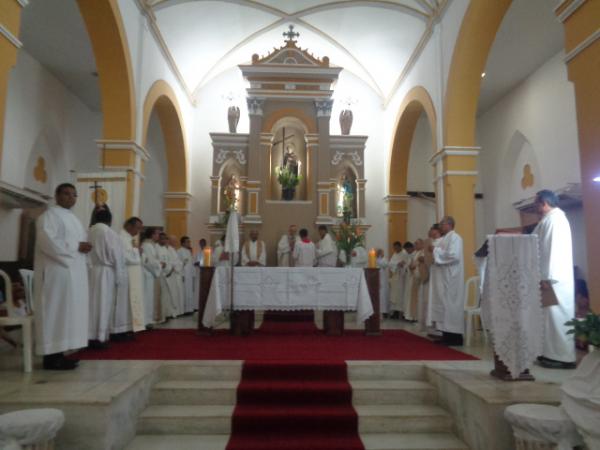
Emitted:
<point x="287" y="179"/>
<point x="347" y="237"/>
<point x="586" y="329"/>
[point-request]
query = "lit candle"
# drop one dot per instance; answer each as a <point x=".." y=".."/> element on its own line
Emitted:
<point x="372" y="259"/>
<point x="207" y="257"/>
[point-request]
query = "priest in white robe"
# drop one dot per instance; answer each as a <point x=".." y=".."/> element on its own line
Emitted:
<point x="556" y="268"/>
<point x="61" y="293"/>
<point x="176" y="279"/>
<point x="189" y="274"/>
<point x="448" y="312"/>
<point x="285" y="247"/>
<point x="397" y="269"/>
<point x="166" y="308"/>
<point x="152" y="269"/>
<point x="198" y="263"/>
<point x="107" y="269"/>
<point x="409" y="314"/>
<point x="359" y="257"/>
<point x="327" y="253"/>
<point x="433" y="288"/>
<point x="223" y="258"/>
<point x="384" y="283"/>
<point x="305" y="252"/>
<point x="129" y="308"/>
<point x="254" y="251"/>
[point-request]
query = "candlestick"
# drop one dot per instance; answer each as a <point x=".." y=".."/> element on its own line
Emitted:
<point x="207" y="257"/>
<point x="372" y="259"/>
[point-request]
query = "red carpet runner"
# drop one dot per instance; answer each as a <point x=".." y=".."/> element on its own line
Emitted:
<point x="286" y="405"/>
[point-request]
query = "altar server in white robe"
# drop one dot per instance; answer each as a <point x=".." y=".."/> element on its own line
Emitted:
<point x="152" y="269"/>
<point x="359" y="257"/>
<point x="107" y="270"/>
<point x="326" y="249"/>
<point x="285" y="247"/>
<point x="129" y="309"/>
<point x="305" y="252"/>
<point x="397" y="264"/>
<point x="189" y="273"/>
<point x="254" y="252"/>
<point x="223" y="258"/>
<point x="409" y="314"/>
<point x="61" y="281"/>
<point x="384" y="283"/>
<point x="176" y="279"/>
<point x="556" y="267"/>
<point x="448" y="310"/>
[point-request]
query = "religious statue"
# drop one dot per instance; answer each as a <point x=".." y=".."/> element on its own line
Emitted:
<point x="347" y="198"/>
<point x="290" y="161"/>
<point x="231" y="193"/>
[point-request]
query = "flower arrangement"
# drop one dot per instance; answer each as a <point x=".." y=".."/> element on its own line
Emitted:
<point x="286" y="178"/>
<point x="347" y="237"/>
<point x="586" y="329"/>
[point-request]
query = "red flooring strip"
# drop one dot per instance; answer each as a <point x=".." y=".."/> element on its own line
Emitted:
<point x="294" y="405"/>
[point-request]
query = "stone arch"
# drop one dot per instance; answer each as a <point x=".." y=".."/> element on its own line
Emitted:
<point x="113" y="62"/>
<point x="161" y="99"/>
<point x="416" y="102"/>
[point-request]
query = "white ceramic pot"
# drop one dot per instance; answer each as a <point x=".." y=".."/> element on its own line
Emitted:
<point x="581" y="399"/>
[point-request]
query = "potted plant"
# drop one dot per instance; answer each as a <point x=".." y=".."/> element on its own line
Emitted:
<point x="288" y="181"/>
<point x="581" y="392"/>
<point x="347" y="237"/>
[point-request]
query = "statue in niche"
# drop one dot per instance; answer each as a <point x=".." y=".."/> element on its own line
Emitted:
<point x="290" y="160"/>
<point x="231" y="193"/>
<point x="346" y="199"/>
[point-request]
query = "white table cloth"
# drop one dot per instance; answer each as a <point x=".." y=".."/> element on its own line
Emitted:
<point x="511" y="301"/>
<point x="289" y="289"/>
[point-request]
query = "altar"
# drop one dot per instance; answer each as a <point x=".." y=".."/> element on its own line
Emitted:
<point x="328" y="289"/>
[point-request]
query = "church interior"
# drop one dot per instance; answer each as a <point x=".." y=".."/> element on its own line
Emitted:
<point x="381" y="117"/>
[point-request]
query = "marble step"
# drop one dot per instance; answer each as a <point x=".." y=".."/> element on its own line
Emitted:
<point x="403" y="419"/>
<point x="392" y="370"/>
<point x="412" y="441"/>
<point x="179" y="442"/>
<point x="185" y="419"/>
<point x="202" y="370"/>
<point x="392" y="392"/>
<point x="184" y="392"/>
<point x="372" y="441"/>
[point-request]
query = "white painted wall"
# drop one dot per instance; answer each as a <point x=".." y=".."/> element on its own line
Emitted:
<point x="535" y="123"/>
<point x="155" y="183"/>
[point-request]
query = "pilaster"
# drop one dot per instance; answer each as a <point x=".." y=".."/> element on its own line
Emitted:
<point x="397" y="215"/>
<point x="177" y="212"/>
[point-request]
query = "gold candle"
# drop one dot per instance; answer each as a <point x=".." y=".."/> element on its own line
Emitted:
<point x="372" y="259"/>
<point x="207" y="257"/>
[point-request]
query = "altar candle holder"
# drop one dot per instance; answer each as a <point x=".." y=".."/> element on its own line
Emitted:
<point x="207" y="257"/>
<point x="372" y="259"/>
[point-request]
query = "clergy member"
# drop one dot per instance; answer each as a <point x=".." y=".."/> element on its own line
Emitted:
<point x="359" y="257"/>
<point x="384" y="283"/>
<point x="107" y="269"/>
<point x="326" y="249"/>
<point x="61" y="281"/>
<point x="152" y="269"/>
<point x="200" y="255"/>
<point x="254" y="252"/>
<point x="285" y="247"/>
<point x="198" y="263"/>
<point x="305" y="253"/>
<point x="409" y="315"/>
<point x="223" y="258"/>
<point x="448" y="313"/>
<point x="414" y="273"/>
<point x="434" y="288"/>
<point x="396" y="265"/>
<point x="176" y="280"/>
<point x="556" y="267"/>
<point x="189" y="275"/>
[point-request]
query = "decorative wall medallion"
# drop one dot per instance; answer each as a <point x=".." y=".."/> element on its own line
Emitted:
<point x="528" y="178"/>
<point x="337" y="158"/>
<point x="356" y="159"/>
<point x="39" y="171"/>
<point x="223" y="154"/>
<point x="240" y="156"/>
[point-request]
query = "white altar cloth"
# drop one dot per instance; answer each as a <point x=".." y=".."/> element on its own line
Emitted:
<point x="511" y="301"/>
<point x="289" y="289"/>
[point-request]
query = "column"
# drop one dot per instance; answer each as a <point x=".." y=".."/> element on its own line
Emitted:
<point x="397" y="214"/>
<point x="361" y="212"/>
<point x="581" y="21"/>
<point x="456" y="179"/>
<point x="10" y="23"/>
<point x="214" y="196"/>
<point x="177" y="212"/>
<point x="125" y="155"/>
<point x="326" y="200"/>
<point x="255" y="161"/>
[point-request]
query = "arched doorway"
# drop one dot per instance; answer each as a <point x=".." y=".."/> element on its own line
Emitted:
<point x="416" y="104"/>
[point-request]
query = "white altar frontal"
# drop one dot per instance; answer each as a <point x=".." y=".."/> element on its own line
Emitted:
<point x="288" y="289"/>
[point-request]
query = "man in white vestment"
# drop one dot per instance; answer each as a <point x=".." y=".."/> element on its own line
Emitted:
<point x="409" y="314"/>
<point x="384" y="283"/>
<point x="167" y="307"/>
<point x="223" y="258"/>
<point x="176" y="279"/>
<point x="434" y="288"/>
<point x="556" y="267"/>
<point x="448" y="309"/>
<point x="129" y="308"/>
<point x="107" y="269"/>
<point x="286" y="246"/>
<point x="189" y="274"/>
<point x="61" y="281"/>
<point x="305" y="253"/>
<point x="396" y="266"/>
<point x="198" y="263"/>
<point x="326" y="249"/>
<point x="254" y="252"/>
<point x="359" y="257"/>
<point x="152" y="269"/>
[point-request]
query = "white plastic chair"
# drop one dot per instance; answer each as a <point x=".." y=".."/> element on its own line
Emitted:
<point x="472" y="311"/>
<point x="13" y="319"/>
<point x="27" y="277"/>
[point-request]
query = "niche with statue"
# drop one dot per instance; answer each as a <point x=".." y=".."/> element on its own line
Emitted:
<point x="346" y="199"/>
<point x="288" y="161"/>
